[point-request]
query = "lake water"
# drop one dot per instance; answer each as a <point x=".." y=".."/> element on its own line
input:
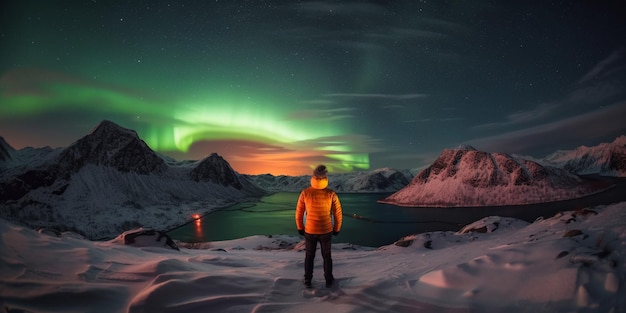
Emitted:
<point x="366" y="222"/>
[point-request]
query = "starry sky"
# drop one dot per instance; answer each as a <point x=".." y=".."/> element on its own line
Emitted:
<point x="280" y="86"/>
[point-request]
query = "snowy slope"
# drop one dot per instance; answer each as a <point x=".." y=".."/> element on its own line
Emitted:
<point x="467" y="177"/>
<point x="607" y="159"/>
<point x="109" y="181"/>
<point x="572" y="262"/>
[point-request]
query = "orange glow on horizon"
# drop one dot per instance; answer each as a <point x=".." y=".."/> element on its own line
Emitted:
<point x="293" y="163"/>
<point x="255" y="158"/>
<point x="276" y="168"/>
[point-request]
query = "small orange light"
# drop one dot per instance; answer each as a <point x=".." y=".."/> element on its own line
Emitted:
<point x="196" y="217"/>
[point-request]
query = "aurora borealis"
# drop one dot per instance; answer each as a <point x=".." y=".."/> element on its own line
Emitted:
<point x="280" y="86"/>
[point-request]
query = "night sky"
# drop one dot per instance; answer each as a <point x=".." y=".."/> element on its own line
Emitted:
<point x="280" y="86"/>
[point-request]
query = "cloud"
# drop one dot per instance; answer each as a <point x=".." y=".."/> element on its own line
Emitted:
<point x="393" y="107"/>
<point x="315" y="8"/>
<point x="450" y="119"/>
<point x="379" y="96"/>
<point x="321" y="113"/>
<point x="38" y="82"/>
<point x="522" y="117"/>
<point x="368" y="26"/>
<point x="422" y="120"/>
<point x="612" y="63"/>
<point x="596" y="88"/>
<point x="319" y="102"/>
<point x="591" y="126"/>
<point x="357" y="143"/>
<point x="596" y="93"/>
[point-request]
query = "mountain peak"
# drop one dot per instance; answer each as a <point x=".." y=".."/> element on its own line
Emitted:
<point x="621" y="140"/>
<point x="465" y="147"/>
<point x="112" y="145"/>
<point x="110" y="128"/>
<point x="215" y="169"/>
<point x="5" y="150"/>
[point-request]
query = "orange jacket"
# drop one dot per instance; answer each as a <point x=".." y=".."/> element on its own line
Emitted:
<point x="319" y="205"/>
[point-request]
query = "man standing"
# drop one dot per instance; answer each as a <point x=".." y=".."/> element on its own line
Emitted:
<point x="318" y="203"/>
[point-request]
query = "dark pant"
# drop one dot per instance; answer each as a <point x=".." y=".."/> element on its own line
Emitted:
<point x="311" y="246"/>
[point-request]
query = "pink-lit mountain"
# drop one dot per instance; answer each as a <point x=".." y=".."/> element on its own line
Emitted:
<point x="467" y="177"/>
<point x="607" y="159"/>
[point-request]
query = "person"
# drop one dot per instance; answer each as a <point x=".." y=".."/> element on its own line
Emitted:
<point x="318" y="203"/>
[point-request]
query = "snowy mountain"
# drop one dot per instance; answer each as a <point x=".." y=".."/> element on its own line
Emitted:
<point x="110" y="181"/>
<point x="467" y="177"/>
<point x="113" y="146"/>
<point x="215" y="169"/>
<point x="376" y="181"/>
<point x="607" y="159"/>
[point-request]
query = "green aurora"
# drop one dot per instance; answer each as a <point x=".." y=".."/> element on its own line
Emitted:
<point x="174" y="126"/>
<point x="281" y="86"/>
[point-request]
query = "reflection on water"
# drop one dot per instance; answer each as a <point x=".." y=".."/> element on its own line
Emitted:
<point x="198" y="227"/>
<point x="365" y="221"/>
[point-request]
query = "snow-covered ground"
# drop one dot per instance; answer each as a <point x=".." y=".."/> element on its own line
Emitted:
<point x="572" y="262"/>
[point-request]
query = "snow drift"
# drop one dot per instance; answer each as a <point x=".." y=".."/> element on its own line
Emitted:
<point x="572" y="262"/>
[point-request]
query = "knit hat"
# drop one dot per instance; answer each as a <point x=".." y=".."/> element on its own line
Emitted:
<point x="319" y="180"/>
<point x="320" y="171"/>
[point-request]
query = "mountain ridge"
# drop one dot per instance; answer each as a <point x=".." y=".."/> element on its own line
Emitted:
<point x="111" y="171"/>
<point x="5" y="150"/>
<point x="381" y="180"/>
<point x="607" y="159"/>
<point x="109" y="181"/>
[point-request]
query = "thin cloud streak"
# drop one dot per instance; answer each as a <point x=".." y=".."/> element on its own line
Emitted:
<point x="379" y="95"/>
<point x="608" y="121"/>
<point x="312" y="114"/>
<point x="594" y="88"/>
<point x="605" y="67"/>
<point x="522" y="117"/>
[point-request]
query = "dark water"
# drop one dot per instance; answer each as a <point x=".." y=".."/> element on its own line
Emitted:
<point x="367" y="222"/>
